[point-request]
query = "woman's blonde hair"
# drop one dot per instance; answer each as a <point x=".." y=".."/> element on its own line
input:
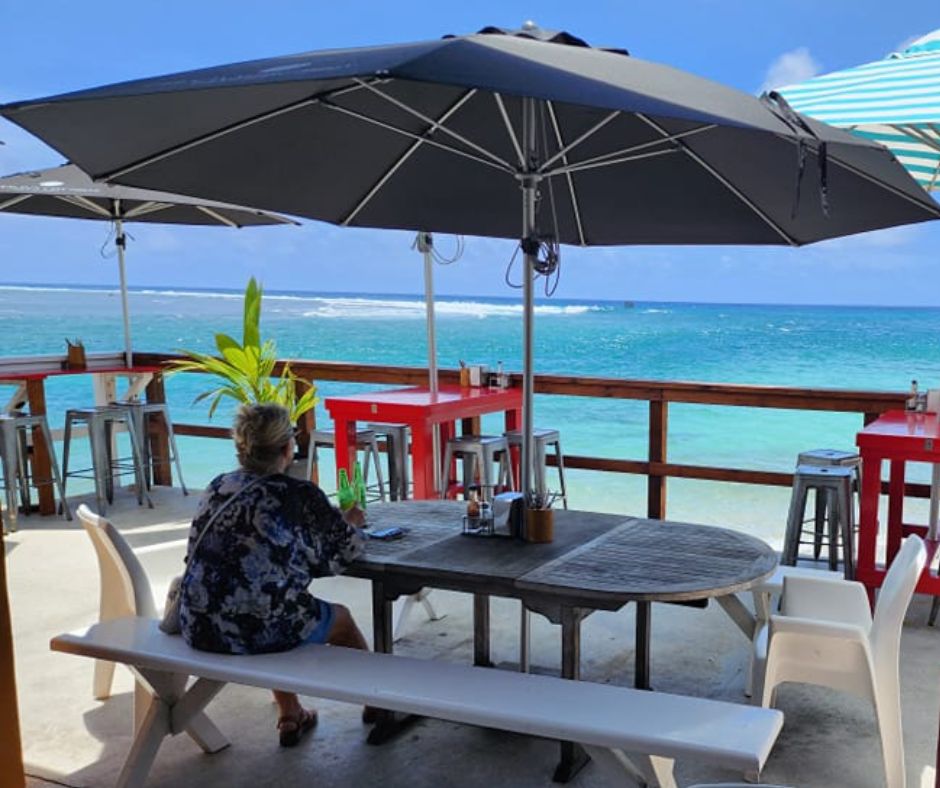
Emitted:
<point x="261" y="432"/>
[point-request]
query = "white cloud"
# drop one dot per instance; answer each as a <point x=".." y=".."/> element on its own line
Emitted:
<point x="792" y="67"/>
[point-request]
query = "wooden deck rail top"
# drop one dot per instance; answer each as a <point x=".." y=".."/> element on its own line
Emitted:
<point x="658" y="393"/>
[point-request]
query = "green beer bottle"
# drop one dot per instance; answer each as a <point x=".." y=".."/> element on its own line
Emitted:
<point x="345" y="495"/>
<point x="359" y="486"/>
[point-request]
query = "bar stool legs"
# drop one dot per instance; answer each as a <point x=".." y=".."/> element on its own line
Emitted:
<point x="543" y="439"/>
<point x="140" y="412"/>
<point x="365" y="442"/>
<point x="14" y="446"/>
<point x="100" y="424"/>
<point x="834" y="486"/>
<point x="479" y="453"/>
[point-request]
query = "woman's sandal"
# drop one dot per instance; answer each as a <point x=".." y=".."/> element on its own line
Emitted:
<point x="291" y="729"/>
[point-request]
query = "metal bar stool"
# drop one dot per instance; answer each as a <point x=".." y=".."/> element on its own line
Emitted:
<point x="834" y="486"/>
<point x="829" y="458"/>
<point x="100" y="423"/>
<point x="15" y="432"/>
<point x="140" y="413"/>
<point x="542" y="440"/>
<point x="479" y="453"/>
<point x="396" y="444"/>
<point x="366" y="442"/>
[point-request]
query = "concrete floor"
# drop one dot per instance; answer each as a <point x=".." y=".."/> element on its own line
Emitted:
<point x="70" y="739"/>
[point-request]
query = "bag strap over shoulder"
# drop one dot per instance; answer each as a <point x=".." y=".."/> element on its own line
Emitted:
<point x="217" y="512"/>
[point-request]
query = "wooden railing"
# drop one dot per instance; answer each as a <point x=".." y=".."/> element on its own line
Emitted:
<point x="657" y="393"/>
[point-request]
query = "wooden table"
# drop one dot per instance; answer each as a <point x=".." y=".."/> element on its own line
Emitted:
<point x="422" y="412"/>
<point x="899" y="437"/>
<point x="596" y="562"/>
<point x="29" y="376"/>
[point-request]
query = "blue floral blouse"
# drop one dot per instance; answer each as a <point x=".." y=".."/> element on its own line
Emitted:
<point x="245" y="590"/>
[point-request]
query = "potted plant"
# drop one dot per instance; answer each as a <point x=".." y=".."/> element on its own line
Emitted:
<point x="244" y="371"/>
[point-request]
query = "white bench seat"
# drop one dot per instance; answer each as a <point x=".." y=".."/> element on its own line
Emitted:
<point x="607" y="720"/>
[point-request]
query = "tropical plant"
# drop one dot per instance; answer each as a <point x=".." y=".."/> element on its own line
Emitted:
<point x="246" y="368"/>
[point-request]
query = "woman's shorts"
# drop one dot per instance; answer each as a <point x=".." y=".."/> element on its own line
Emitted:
<point x="322" y="630"/>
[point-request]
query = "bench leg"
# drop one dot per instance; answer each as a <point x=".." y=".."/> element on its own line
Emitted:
<point x="642" y="770"/>
<point x="150" y="734"/>
<point x="163" y="706"/>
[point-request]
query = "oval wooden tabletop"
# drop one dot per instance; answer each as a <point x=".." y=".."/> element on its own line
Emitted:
<point x="657" y="560"/>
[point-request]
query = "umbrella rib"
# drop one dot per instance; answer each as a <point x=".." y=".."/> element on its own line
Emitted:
<point x="15" y="201"/>
<point x="605" y="162"/>
<point x="421" y="116"/>
<point x="405" y="156"/>
<point x="84" y="202"/>
<point x="918" y="134"/>
<point x="242" y="124"/>
<point x="144" y="208"/>
<point x="574" y="143"/>
<point x="415" y="136"/>
<point x="500" y="104"/>
<point x="621" y="155"/>
<point x="217" y="216"/>
<point x="724" y="182"/>
<point x="575" y="207"/>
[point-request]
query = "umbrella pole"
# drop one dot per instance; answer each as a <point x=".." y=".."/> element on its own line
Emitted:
<point x="120" y="242"/>
<point x="530" y="182"/>
<point x="425" y="245"/>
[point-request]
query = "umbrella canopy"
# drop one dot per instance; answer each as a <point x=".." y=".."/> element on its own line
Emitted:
<point x="895" y="101"/>
<point x="67" y="191"/>
<point x="443" y="135"/>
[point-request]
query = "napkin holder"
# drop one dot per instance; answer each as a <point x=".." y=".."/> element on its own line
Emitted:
<point x="509" y="514"/>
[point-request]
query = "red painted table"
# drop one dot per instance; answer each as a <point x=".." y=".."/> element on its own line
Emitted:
<point x="898" y="437"/>
<point x="421" y="411"/>
<point x="31" y="375"/>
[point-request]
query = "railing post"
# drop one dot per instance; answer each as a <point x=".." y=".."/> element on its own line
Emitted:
<point x="656" y="482"/>
<point x="306" y="424"/>
<point x="157" y="435"/>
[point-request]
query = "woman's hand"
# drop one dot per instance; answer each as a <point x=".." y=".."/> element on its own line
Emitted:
<point x="355" y="516"/>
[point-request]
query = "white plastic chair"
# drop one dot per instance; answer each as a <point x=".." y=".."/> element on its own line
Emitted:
<point x="826" y="636"/>
<point x="766" y="594"/>
<point x="125" y="588"/>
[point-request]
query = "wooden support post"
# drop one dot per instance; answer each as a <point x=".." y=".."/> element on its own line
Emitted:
<point x="656" y="483"/>
<point x="306" y="424"/>
<point x="41" y="465"/>
<point x="11" y="753"/>
<point x="156" y="432"/>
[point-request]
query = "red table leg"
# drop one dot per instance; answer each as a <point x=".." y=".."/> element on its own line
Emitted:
<point x="868" y="521"/>
<point x="513" y="421"/>
<point x="895" y="510"/>
<point x="345" y="446"/>
<point x="422" y="460"/>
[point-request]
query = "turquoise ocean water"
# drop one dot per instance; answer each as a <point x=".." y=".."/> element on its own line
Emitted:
<point x="872" y="348"/>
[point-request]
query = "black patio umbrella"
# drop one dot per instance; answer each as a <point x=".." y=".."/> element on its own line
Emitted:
<point x="515" y="134"/>
<point x="69" y="192"/>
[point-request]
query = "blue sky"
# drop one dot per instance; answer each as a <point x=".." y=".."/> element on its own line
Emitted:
<point x="52" y="46"/>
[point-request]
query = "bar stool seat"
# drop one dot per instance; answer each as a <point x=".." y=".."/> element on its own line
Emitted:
<point x="100" y="421"/>
<point x="833" y="485"/>
<point x="141" y="412"/>
<point x="15" y="432"/>
<point x="479" y="453"/>
<point x="542" y="440"/>
<point x="366" y="442"/>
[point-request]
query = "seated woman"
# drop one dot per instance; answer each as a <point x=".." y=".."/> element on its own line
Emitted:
<point x="267" y="536"/>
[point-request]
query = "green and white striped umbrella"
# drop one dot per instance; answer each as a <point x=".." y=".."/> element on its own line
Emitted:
<point x="895" y="101"/>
